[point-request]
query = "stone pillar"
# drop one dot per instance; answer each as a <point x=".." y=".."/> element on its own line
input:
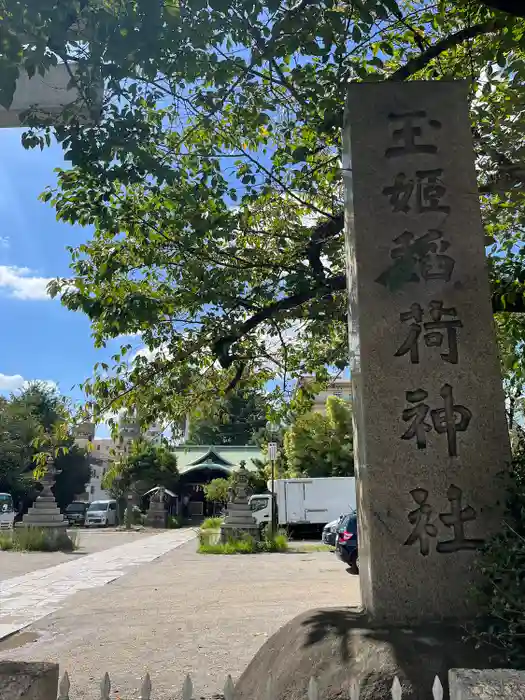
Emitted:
<point x="157" y="515"/>
<point x="431" y="434"/>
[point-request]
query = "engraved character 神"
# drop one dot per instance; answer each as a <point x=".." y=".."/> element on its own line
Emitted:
<point x="417" y="414"/>
<point x="451" y="419"/>
<point x="420" y="518"/>
<point x="409" y="130"/>
<point x="456" y="519"/>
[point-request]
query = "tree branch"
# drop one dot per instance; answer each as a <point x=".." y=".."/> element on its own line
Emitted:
<point x="419" y="62"/>
<point x="321" y="233"/>
<point x="221" y="347"/>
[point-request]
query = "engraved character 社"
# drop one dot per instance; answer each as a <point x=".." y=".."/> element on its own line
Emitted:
<point x="408" y="133"/>
<point x="427" y="188"/>
<point x="456" y="519"/>
<point x="420" y="518"/>
<point x="436" y="330"/>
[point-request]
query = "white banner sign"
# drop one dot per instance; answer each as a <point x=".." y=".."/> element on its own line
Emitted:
<point x="272" y="451"/>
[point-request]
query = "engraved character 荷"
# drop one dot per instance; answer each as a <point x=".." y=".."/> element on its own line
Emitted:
<point x="416" y="258"/>
<point x="435" y="331"/>
<point x="420" y="518"/>
<point x="456" y="519"/>
<point x="428" y="188"/>
<point x="407" y="136"/>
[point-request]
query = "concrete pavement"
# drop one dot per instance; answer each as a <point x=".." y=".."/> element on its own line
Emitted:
<point x="28" y="598"/>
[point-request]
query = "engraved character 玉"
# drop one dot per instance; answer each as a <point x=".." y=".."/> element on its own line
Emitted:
<point x="407" y="136"/>
<point x="420" y="518"/>
<point x="428" y="187"/>
<point x="456" y="519"/>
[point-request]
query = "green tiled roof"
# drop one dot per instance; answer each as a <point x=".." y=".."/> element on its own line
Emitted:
<point x="190" y="455"/>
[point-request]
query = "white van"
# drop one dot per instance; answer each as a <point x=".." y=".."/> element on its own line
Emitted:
<point x="7" y="512"/>
<point x="101" y="513"/>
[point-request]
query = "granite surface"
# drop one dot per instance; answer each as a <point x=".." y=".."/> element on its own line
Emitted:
<point x="428" y="403"/>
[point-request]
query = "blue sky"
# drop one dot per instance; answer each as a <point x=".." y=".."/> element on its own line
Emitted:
<point x="42" y="339"/>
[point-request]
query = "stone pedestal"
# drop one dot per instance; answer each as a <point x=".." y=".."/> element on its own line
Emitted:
<point x="239" y="521"/>
<point x="157" y="516"/>
<point x="28" y="681"/>
<point x="44" y="513"/>
<point x="431" y="436"/>
<point x="345" y="650"/>
<point x="497" y="684"/>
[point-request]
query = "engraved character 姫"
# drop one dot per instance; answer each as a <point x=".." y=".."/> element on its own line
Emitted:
<point x="428" y="188"/>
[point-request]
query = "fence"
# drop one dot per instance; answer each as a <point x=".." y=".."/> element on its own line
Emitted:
<point x="187" y="689"/>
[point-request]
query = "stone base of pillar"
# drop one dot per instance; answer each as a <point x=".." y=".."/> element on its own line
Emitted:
<point x="342" y="647"/>
<point x="239" y="523"/>
<point x="28" y="681"/>
<point x="157" y="516"/>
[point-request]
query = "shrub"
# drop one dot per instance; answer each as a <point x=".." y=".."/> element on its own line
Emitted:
<point x="212" y="523"/>
<point x="501" y="596"/>
<point x="173" y="522"/>
<point x="33" y="539"/>
<point x="245" y="545"/>
<point x="278" y="543"/>
<point x="6" y="541"/>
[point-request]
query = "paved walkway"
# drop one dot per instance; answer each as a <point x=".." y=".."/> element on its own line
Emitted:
<point x="184" y="613"/>
<point x="28" y="598"/>
<point x="88" y="542"/>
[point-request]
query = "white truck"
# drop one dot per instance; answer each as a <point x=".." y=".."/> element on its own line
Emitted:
<point x="306" y="503"/>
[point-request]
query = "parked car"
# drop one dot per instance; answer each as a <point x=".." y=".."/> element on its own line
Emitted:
<point x="76" y="512"/>
<point x="346" y="542"/>
<point x="330" y="531"/>
<point x="102" y="513"/>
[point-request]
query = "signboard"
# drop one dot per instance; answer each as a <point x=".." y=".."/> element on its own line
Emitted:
<point x="272" y="451"/>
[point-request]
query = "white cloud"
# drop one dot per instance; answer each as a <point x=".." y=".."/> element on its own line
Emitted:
<point x="14" y="382"/>
<point x="21" y="284"/>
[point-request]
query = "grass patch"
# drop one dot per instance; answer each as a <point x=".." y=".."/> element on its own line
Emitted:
<point x="34" y="539"/>
<point x="313" y="548"/>
<point x="212" y="523"/>
<point x="246" y="545"/>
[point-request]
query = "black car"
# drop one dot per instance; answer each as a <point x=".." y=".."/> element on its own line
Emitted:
<point x="76" y="513"/>
<point x="346" y="542"/>
<point x="330" y="531"/>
